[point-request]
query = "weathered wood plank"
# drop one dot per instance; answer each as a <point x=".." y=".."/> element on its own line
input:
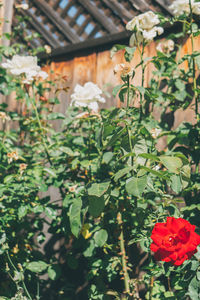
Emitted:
<point x="165" y="5"/>
<point x="118" y="8"/>
<point x="97" y="14"/>
<point x="57" y="21"/>
<point x="84" y="69"/>
<point x="140" y="5"/>
<point x="41" y="29"/>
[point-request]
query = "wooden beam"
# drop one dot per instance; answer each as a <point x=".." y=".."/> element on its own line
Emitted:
<point x="47" y="36"/>
<point x="118" y="9"/>
<point x="140" y="5"/>
<point x="7" y="22"/>
<point x="165" y="6"/>
<point x="99" y="16"/>
<point x="57" y="21"/>
<point x="100" y="44"/>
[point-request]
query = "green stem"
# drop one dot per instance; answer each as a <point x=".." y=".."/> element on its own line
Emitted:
<point x="23" y="283"/>
<point x="25" y="289"/>
<point x="131" y="147"/>
<point x="142" y="83"/>
<point x="151" y="288"/>
<point x="38" y="290"/>
<point x="43" y="137"/>
<point x="128" y="94"/>
<point x="193" y="64"/>
<point x="123" y="253"/>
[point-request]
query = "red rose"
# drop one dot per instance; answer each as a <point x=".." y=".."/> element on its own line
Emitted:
<point x="174" y="241"/>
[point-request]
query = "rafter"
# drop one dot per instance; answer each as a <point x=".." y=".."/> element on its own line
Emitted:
<point x="57" y="21"/>
<point x="140" y="5"/>
<point x="119" y="9"/>
<point x="165" y="6"/>
<point x="100" y="17"/>
<point x="41" y="29"/>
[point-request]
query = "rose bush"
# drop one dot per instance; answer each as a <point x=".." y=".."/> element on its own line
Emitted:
<point x="78" y="203"/>
<point x="174" y="241"/>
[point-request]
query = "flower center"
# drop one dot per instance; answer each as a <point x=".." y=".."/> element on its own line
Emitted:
<point x="170" y="240"/>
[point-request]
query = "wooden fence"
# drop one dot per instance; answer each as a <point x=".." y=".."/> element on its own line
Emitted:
<point x="98" y="68"/>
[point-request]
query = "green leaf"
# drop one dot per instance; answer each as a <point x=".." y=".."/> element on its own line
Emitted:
<point x="100" y="237"/>
<point x="90" y="249"/>
<point x="173" y="164"/>
<point x="96" y="205"/>
<point x="37" y="266"/>
<point x="154" y="172"/>
<point x="176" y="185"/>
<point x="67" y="150"/>
<point x="193" y="289"/>
<point x="129" y="52"/>
<point x="186" y="173"/>
<point x="122" y="94"/>
<point x="75" y="216"/>
<point x="136" y="186"/>
<point x="8" y="178"/>
<point x="107" y="157"/>
<point x="54" y="272"/>
<point x="22" y="211"/>
<point x="55" y="116"/>
<point x="122" y="172"/>
<point x="115" y="49"/>
<point x="116" y="136"/>
<point x="50" y="212"/>
<point x="50" y="171"/>
<point x="116" y="90"/>
<point x="98" y="189"/>
<point x="149" y="156"/>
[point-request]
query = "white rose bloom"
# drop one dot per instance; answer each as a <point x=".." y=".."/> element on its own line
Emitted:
<point x="145" y="28"/>
<point x="87" y="96"/>
<point x="180" y="7"/>
<point x="196" y="8"/>
<point x="166" y="46"/>
<point x="23" y="6"/>
<point x="155" y="132"/>
<point x="26" y="65"/>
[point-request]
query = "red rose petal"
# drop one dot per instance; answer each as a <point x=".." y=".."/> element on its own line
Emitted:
<point x="174" y="241"/>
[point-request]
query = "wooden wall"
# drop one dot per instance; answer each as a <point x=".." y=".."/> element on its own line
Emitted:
<point x="98" y="68"/>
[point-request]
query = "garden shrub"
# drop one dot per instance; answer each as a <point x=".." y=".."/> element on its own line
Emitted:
<point x="118" y="196"/>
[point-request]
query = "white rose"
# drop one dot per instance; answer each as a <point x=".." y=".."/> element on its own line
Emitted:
<point x="26" y="65"/>
<point x="143" y="22"/>
<point x="148" y="20"/>
<point x="196" y="8"/>
<point x="145" y="28"/>
<point x="180" y="7"/>
<point x="87" y="96"/>
<point x="166" y="46"/>
<point x="123" y="70"/>
<point x="23" y="6"/>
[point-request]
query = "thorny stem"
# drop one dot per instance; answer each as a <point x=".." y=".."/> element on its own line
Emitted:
<point x="128" y="94"/>
<point x="130" y="144"/>
<point x="142" y="83"/>
<point x="123" y="253"/>
<point x="193" y="64"/>
<point x="38" y="290"/>
<point x="151" y="288"/>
